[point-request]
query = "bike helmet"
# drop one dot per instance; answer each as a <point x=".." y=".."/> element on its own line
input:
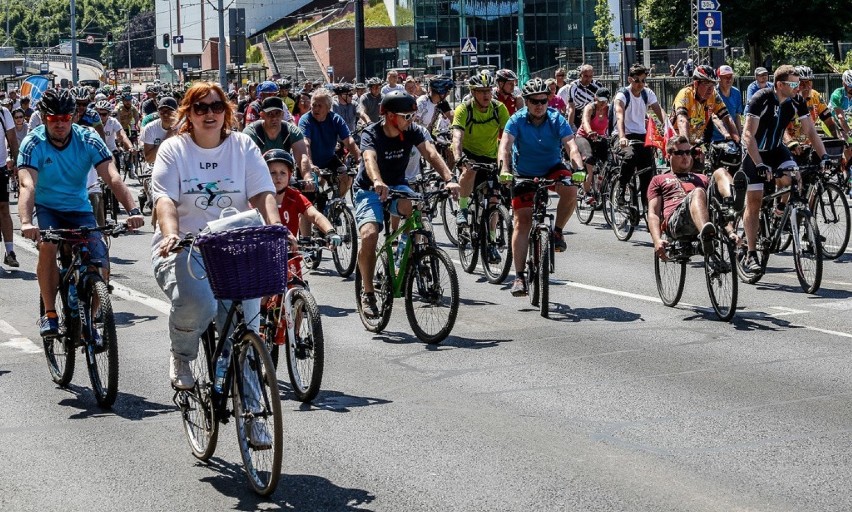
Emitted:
<point x="81" y="93"/>
<point x="285" y="83"/>
<point x="398" y="102"/>
<point x="57" y="102"/>
<point x="730" y="155"/>
<point x="103" y="105"/>
<point x="342" y="88"/>
<point x="151" y="88"/>
<point x="360" y="85"/>
<point x="704" y="73"/>
<point x="603" y="92"/>
<point x="90" y="118"/>
<point x="100" y="97"/>
<point x="533" y="87"/>
<point x="804" y="72"/>
<point x="279" y="155"/>
<point x="480" y="81"/>
<point x="847" y="78"/>
<point x="504" y="75"/>
<point x="441" y="85"/>
<point x="267" y="87"/>
<point x="374" y="81"/>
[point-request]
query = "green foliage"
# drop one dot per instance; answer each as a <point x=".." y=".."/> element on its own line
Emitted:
<point x="666" y="22"/>
<point x="839" y="66"/>
<point x="254" y="55"/>
<point x="799" y="51"/>
<point x="602" y="29"/>
<point x="742" y="66"/>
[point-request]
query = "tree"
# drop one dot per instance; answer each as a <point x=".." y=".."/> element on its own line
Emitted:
<point x="805" y="51"/>
<point x="602" y="29"/>
<point x="666" y="22"/>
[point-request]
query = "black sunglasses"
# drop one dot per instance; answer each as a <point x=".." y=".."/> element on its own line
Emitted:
<point x="537" y="102"/>
<point x="681" y="152"/>
<point x="200" y="109"/>
<point x="19" y="117"/>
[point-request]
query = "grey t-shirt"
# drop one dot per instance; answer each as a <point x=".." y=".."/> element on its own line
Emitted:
<point x="369" y="105"/>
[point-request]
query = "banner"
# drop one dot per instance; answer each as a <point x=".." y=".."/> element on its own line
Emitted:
<point x="34" y="87"/>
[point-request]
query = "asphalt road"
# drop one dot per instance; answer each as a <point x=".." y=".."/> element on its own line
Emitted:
<point x="614" y="403"/>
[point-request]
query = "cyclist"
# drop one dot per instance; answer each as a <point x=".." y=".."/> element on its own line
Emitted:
<point x="768" y="109"/>
<point x="561" y="90"/>
<point x="205" y="150"/>
<point x="284" y="86"/>
<point x="794" y="136"/>
<point x="580" y="93"/>
<point x="368" y="103"/>
<point x="54" y="163"/>
<point x="695" y="106"/>
<point x="531" y="146"/>
<point x="477" y="124"/>
<point x="507" y="81"/>
<point x="761" y="81"/>
<point x="592" y="137"/>
<point x="732" y="97"/>
<point x="343" y="105"/>
<point x="387" y="148"/>
<point x="149" y="104"/>
<point x="128" y="116"/>
<point x="392" y="83"/>
<point x="554" y="101"/>
<point x="154" y="133"/>
<point x="9" y="129"/>
<point x="271" y="132"/>
<point x="841" y="106"/>
<point x="266" y="89"/>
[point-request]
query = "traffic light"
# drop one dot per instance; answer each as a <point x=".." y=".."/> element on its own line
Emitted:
<point x="109" y="37"/>
<point x="166" y="41"/>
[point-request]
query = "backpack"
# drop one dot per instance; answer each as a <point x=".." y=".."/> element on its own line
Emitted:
<point x="471" y="121"/>
<point x="627" y="96"/>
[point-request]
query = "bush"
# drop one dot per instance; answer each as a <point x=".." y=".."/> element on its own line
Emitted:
<point x="799" y="51"/>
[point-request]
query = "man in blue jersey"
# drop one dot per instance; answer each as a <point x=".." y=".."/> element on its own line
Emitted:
<point x="54" y="162"/>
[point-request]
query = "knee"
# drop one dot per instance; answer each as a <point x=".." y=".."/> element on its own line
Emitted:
<point x="369" y="235"/>
<point x="192" y="316"/>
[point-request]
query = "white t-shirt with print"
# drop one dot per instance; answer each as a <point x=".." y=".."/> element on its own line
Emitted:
<point x="634" y="114"/>
<point x="204" y="181"/>
<point x="153" y="133"/>
<point x="9" y="123"/>
<point x="111" y="129"/>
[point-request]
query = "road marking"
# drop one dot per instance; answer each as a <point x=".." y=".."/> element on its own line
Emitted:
<point x="25" y="345"/>
<point x="119" y="290"/>
<point x="840" y="305"/>
<point x="8" y="329"/>
<point x="828" y="331"/>
<point x="787" y="311"/>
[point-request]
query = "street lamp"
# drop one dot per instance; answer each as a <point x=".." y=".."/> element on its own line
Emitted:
<point x="129" y="62"/>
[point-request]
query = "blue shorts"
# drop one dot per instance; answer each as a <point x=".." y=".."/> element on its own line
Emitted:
<point x="368" y="207"/>
<point x="48" y="218"/>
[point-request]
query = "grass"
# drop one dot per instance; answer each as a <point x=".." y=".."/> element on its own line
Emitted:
<point x="375" y="15"/>
<point x="254" y="55"/>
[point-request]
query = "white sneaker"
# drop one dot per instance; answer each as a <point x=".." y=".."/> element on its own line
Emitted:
<point x="258" y="434"/>
<point x="181" y="374"/>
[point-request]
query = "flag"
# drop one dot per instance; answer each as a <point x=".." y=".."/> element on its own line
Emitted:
<point x="523" y="67"/>
<point x="653" y="137"/>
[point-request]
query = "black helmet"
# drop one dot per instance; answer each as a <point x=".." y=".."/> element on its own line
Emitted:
<point x="441" y="85"/>
<point x="729" y="155"/>
<point x="704" y="73"/>
<point x="533" y="87"/>
<point x="504" y="75"/>
<point x="342" y="88"/>
<point x="279" y="155"/>
<point x="398" y="102"/>
<point x="55" y="102"/>
<point x="603" y="92"/>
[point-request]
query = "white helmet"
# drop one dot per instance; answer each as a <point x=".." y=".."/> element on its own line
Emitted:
<point x="847" y="78"/>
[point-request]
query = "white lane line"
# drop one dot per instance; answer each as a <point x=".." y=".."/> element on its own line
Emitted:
<point x="786" y="311"/>
<point x="828" y="331"/>
<point x="841" y="305"/>
<point x="25" y="345"/>
<point x="119" y="290"/>
<point x="8" y="329"/>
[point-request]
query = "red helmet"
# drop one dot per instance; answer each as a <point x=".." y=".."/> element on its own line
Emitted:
<point x="704" y="73"/>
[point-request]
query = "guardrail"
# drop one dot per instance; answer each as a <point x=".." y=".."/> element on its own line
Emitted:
<point x="56" y="57"/>
<point x="296" y="58"/>
<point x="272" y="60"/>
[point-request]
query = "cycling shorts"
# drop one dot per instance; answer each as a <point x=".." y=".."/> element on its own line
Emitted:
<point x="522" y="196"/>
<point x="777" y="158"/>
<point x="48" y="218"/>
<point x="4" y="187"/>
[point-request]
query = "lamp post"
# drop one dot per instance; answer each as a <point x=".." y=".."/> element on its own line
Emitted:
<point x="129" y="62"/>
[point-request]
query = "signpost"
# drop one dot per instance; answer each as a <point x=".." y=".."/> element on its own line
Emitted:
<point x="710" y="28"/>
<point x="468" y="46"/>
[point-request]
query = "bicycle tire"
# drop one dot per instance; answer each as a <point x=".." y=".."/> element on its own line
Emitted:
<point x="620" y="221"/>
<point x="497" y="272"/>
<point x="449" y="210"/>
<point x="544" y="264"/>
<point x="533" y="266"/>
<point x="722" y="283"/>
<point x="584" y="212"/>
<point x="60" y="351"/>
<point x="257" y="409"/>
<point x="468" y="247"/>
<point x="384" y="296"/>
<point x="346" y="254"/>
<point x="670" y="276"/>
<point x="269" y="325"/>
<point x="425" y="287"/>
<point x="742" y="253"/>
<point x="198" y="415"/>
<point x="101" y="357"/>
<point x="305" y="355"/>
<point x="832" y="216"/>
<point x="807" y="255"/>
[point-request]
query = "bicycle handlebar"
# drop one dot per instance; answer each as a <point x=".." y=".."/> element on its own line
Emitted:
<point x="62" y="235"/>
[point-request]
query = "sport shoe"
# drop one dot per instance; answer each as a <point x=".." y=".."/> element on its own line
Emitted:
<point x="559" y="244"/>
<point x="48" y="326"/>
<point x="590" y="201"/>
<point x="493" y="254"/>
<point x="740" y="188"/>
<point x="708" y="232"/>
<point x="461" y="217"/>
<point x="10" y="260"/>
<point x="181" y="374"/>
<point x="369" y="305"/>
<point x="258" y="434"/>
<point x="752" y="266"/>
<point x="519" y="287"/>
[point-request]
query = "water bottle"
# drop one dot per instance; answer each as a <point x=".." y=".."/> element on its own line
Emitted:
<point x="400" y="248"/>
<point x="222" y="366"/>
<point x="73" y="303"/>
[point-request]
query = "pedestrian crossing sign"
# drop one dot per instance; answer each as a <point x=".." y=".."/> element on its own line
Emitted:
<point x="468" y="46"/>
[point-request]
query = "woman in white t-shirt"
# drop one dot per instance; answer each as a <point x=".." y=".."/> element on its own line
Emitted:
<point x="197" y="173"/>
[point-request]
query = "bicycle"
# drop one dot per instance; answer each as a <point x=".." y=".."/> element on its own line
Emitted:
<point x="599" y="189"/>
<point x="423" y="274"/>
<point x="292" y="320"/>
<point x="85" y="313"/>
<point x="211" y="198"/>
<point x="625" y="204"/>
<point x="722" y="283"/>
<point x="827" y="201"/>
<point x="489" y="232"/>
<point x="109" y="202"/>
<point x="237" y="365"/>
<point x="330" y="201"/>
<point x="540" y="251"/>
<point x="144" y="197"/>
<point x="798" y="219"/>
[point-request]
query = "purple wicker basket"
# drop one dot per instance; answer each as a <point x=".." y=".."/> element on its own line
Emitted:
<point x="245" y="263"/>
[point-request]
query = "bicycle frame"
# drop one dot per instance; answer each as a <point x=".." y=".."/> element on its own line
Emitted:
<point x="413" y="225"/>
<point x="235" y="317"/>
<point x="772" y="227"/>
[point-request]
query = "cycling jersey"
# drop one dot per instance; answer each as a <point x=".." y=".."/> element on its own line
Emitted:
<point x="817" y="110"/>
<point x="537" y="149"/>
<point x="840" y="99"/>
<point x="510" y="100"/>
<point x="581" y="95"/>
<point x="482" y="131"/>
<point x="293" y="205"/>
<point x="127" y="116"/>
<point x="698" y="113"/>
<point x="773" y="117"/>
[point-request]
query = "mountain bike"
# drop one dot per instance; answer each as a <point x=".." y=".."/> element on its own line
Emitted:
<point x="330" y="201"/>
<point x="422" y="273"/>
<point x="588" y="202"/>
<point x="84" y="308"/>
<point x="234" y="362"/>
<point x="827" y="201"/>
<point x="625" y="204"/>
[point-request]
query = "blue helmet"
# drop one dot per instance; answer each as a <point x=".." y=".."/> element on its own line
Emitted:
<point x="441" y="85"/>
<point x="267" y="87"/>
<point x="90" y="118"/>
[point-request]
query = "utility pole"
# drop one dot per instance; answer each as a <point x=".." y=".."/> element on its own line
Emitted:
<point x="74" y="76"/>
<point x="223" y="78"/>
<point x="359" y="42"/>
<point x="129" y="62"/>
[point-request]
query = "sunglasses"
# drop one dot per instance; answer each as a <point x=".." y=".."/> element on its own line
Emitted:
<point x="200" y="109"/>
<point x="681" y="152"/>
<point x="59" y="118"/>
<point x="560" y="76"/>
<point x="537" y="102"/>
<point x="638" y="80"/>
<point x="407" y="116"/>
<point x="18" y="117"/>
<point x="794" y="85"/>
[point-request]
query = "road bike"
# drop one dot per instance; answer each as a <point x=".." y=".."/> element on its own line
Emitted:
<point x="625" y="205"/>
<point x="234" y="362"/>
<point x="85" y="313"/>
<point x="330" y="201"/>
<point x="588" y="202"/>
<point x="827" y="201"/>
<point x="422" y="273"/>
<point x="292" y="320"/>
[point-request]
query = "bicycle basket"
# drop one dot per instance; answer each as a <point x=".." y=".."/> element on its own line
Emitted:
<point x="245" y="263"/>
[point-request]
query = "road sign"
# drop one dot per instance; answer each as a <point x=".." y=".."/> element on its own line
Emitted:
<point x="473" y="59"/>
<point x="177" y="39"/>
<point x="186" y="65"/>
<point x="468" y="46"/>
<point x="405" y="63"/>
<point x="708" y="5"/>
<point x="44" y="68"/>
<point x="710" y="29"/>
<point x="19" y="71"/>
<point x="90" y="39"/>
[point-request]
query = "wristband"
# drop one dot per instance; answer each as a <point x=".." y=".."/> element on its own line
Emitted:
<point x="133" y="212"/>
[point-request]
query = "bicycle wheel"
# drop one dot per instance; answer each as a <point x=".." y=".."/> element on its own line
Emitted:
<point x="344" y="255"/>
<point x="272" y="327"/>
<point x="832" y="217"/>
<point x="305" y="354"/>
<point x="101" y="343"/>
<point x="621" y="201"/>
<point x="384" y="295"/>
<point x="257" y="411"/>
<point x="585" y="212"/>
<point x="533" y="266"/>
<point x="498" y="242"/>
<point x="721" y="281"/>
<point x="468" y="246"/>
<point x="670" y="276"/>
<point x="197" y="412"/>
<point x="60" y="350"/>
<point x="741" y="254"/>
<point x="807" y="254"/>
<point x="449" y="210"/>
<point x="431" y="294"/>
<point x="543" y="276"/>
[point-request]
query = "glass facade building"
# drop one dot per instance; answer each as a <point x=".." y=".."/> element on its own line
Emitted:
<point x="549" y="26"/>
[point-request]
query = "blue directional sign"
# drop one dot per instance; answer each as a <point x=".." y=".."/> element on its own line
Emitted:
<point x="177" y="39"/>
<point x="710" y="29"/>
<point x="468" y="46"/>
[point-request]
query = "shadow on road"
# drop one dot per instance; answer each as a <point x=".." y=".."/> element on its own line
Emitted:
<point x="470" y="343"/>
<point x="565" y="313"/>
<point x="127" y="406"/>
<point x="18" y="274"/>
<point x="4" y="372"/>
<point x="335" y="312"/>
<point x="328" y="400"/>
<point x="125" y="319"/>
<point x="295" y="492"/>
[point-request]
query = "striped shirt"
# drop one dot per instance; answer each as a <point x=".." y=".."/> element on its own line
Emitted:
<point x="581" y="95"/>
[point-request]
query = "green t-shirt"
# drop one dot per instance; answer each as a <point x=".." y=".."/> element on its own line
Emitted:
<point x="839" y="99"/>
<point x="480" y="135"/>
<point x="153" y="116"/>
<point x="288" y="135"/>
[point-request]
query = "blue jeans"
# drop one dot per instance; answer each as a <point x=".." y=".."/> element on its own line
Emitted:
<point x="193" y="304"/>
<point x="368" y="207"/>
